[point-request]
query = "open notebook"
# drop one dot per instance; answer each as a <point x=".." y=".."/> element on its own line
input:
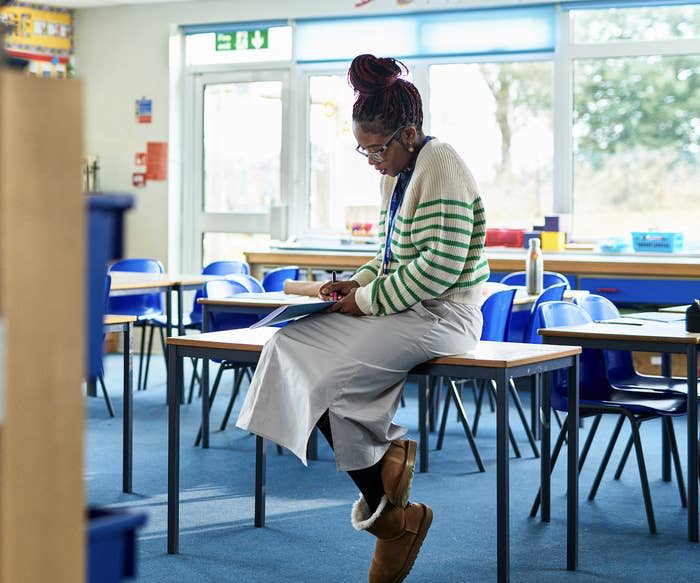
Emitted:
<point x="291" y="312"/>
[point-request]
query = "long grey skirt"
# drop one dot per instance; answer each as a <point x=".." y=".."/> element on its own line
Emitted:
<point x="354" y="367"/>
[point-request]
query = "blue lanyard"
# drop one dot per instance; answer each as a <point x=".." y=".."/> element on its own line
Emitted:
<point x="396" y="200"/>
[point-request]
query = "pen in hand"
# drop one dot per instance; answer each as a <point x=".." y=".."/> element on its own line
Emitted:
<point x="334" y="278"/>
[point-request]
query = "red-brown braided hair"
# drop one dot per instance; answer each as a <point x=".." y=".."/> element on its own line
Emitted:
<point x="381" y="97"/>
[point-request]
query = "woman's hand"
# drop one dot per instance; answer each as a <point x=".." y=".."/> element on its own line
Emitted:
<point x="347" y="304"/>
<point x="342" y="288"/>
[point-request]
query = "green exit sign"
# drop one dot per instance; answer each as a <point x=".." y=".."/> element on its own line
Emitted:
<point x="242" y="40"/>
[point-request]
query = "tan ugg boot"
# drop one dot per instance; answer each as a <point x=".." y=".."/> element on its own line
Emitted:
<point x="400" y="533"/>
<point x="398" y="465"/>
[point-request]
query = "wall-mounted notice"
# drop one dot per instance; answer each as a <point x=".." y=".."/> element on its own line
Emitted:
<point x="144" y="110"/>
<point x="140" y="158"/>
<point x="42" y="30"/>
<point x="138" y="179"/>
<point x="156" y="160"/>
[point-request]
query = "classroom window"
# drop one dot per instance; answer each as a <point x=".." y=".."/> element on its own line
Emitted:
<point x="635" y="137"/>
<point x="654" y="23"/>
<point x="231" y="246"/>
<point x="498" y="116"/>
<point x="343" y="188"/>
<point x="242" y="146"/>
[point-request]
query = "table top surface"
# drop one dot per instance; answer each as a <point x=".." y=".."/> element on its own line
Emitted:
<point x="486" y="354"/>
<point x="112" y="319"/>
<point x="126" y="280"/>
<point x="668" y="332"/>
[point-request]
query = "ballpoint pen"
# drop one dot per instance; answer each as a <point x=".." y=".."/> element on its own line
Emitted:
<point x="334" y="278"/>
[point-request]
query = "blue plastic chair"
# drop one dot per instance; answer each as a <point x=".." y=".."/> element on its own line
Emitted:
<point x="145" y="306"/>
<point x="496" y="311"/>
<point x="549" y="278"/>
<point x="598" y="397"/>
<point x="226" y="288"/>
<point x="274" y="280"/>
<point x="619" y="365"/>
<point x="552" y="293"/>
<point x="100" y="377"/>
<point x="518" y="322"/>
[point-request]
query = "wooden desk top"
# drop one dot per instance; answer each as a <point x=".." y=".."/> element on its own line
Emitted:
<point x="134" y="280"/>
<point x="112" y="319"/>
<point x="671" y="332"/>
<point x="638" y="264"/>
<point x="486" y="354"/>
<point x="260" y="300"/>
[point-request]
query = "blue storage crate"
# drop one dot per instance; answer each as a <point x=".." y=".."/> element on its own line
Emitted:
<point x="657" y="242"/>
<point x="104" y="242"/>
<point x="111" y="539"/>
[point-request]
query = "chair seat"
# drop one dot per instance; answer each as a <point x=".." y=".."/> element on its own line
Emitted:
<point x="640" y="381"/>
<point x="637" y="402"/>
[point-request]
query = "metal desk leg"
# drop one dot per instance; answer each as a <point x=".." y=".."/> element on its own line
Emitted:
<point x="572" y="469"/>
<point x="168" y="317"/>
<point x="546" y="447"/>
<point x="180" y="312"/>
<point x="205" y="384"/>
<point x="502" y="486"/>
<point x="665" y="449"/>
<point x="535" y="398"/>
<point x="423" y="422"/>
<point x="692" y="355"/>
<point x="260" y="455"/>
<point x="127" y="431"/>
<point x="174" y="382"/>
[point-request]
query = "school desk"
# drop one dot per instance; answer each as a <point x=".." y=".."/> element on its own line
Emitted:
<point x="490" y="360"/>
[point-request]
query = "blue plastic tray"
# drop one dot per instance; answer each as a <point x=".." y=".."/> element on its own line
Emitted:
<point x="111" y="538"/>
<point x="657" y="242"/>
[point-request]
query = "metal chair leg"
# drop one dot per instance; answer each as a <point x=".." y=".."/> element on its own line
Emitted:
<point x="523" y="419"/>
<point x="108" y="401"/>
<point x="465" y="424"/>
<point x="643" y="475"/>
<point x="195" y="362"/>
<point x="141" y="353"/>
<point x="443" y="420"/>
<point x="671" y="434"/>
<point x="215" y="388"/>
<point x="555" y="454"/>
<point x="479" y="402"/>
<point x="148" y="358"/>
<point x="623" y="458"/>
<point x="511" y="436"/>
<point x="237" y="379"/>
<point x="606" y="458"/>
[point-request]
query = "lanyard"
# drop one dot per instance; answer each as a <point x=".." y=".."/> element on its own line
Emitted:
<point x="396" y="199"/>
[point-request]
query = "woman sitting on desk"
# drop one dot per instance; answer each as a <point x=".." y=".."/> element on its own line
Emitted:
<point x="419" y="298"/>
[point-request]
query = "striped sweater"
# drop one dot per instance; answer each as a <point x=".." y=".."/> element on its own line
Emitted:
<point x="438" y="239"/>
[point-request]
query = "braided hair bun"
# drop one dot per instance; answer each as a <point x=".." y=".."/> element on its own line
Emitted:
<point x="381" y="96"/>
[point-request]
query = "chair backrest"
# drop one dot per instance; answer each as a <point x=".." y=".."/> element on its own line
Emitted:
<point x="549" y="278"/>
<point x="225" y="288"/>
<point x="496" y="311"/>
<point x="138" y="304"/>
<point x="618" y="363"/>
<point x="553" y="293"/>
<point x="215" y="268"/>
<point x="274" y="279"/>
<point x="248" y="281"/>
<point x="225" y="268"/>
<point x="593" y="382"/>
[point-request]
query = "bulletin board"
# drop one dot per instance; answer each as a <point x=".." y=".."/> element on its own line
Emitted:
<point x="34" y="30"/>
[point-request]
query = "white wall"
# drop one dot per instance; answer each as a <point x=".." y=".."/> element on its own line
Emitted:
<point x="122" y="55"/>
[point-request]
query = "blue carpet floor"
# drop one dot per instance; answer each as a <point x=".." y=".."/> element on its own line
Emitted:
<point x="308" y="537"/>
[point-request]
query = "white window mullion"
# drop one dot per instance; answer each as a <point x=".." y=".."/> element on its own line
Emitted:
<point x="563" y="118"/>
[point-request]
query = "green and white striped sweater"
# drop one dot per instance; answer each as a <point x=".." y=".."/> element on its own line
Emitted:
<point x="438" y="239"/>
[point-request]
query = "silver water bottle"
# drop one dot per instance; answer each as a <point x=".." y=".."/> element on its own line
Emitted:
<point x="534" y="268"/>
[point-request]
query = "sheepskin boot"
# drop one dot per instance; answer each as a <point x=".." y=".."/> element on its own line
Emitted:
<point x="398" y="464"/>
<point x="400" y="533"/>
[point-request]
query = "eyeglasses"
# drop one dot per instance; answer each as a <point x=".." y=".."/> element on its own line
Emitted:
<point x="377" y="156"/>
